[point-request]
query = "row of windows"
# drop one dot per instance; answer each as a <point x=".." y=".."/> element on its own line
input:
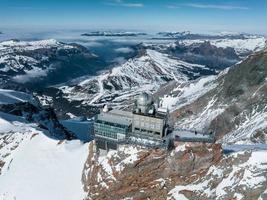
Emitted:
<point x="106" y="134"/>
<point x="111" y="124"/>
<point x="109" y="128"/>
<point x="108" y="131"/>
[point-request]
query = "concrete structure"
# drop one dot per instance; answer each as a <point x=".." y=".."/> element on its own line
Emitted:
<point x="150" y="125"/>
<point x="143" y="125"/>
<point x="147" y="120"/>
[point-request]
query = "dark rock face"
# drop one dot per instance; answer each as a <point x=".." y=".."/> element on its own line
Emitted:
<point x="63" y="106"/>
<point x="249" y="74"/>
<point x="205" y="54"/>
<point x="45" y="118"/>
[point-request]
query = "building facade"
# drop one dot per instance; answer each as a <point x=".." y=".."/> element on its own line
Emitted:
<point x="111" y="128"/>
<point x="149" y="125"/>
<point x="143" y="124"/>
<point x="147" y="121"/>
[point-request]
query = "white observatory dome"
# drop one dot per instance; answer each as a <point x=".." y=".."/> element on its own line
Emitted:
<point x="144" y="99"/>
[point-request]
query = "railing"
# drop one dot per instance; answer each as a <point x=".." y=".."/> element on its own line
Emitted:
<point x="144" y="136"/>
<point x="182" y="139"/>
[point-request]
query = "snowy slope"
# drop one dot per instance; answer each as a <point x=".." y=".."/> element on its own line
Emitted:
<point x="188" y="92"/>
<point x="233" y="104"/>
<point x="38" y="167"/>
<point x="32" y="164"/>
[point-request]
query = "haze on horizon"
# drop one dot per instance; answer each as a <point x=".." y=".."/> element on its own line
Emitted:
<point x="159" y="15"/>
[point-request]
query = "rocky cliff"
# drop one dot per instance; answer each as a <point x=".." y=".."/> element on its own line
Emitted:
<point x="190" y="171"/>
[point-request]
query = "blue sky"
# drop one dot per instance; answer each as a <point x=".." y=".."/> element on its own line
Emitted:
<point x="154" y="15"/>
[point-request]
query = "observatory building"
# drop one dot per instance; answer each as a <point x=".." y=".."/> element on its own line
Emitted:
<point x="147" y="124"/>
<point x="147" y="120"/>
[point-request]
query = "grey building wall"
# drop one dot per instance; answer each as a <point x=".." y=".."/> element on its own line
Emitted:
<point x="148" y="125"/>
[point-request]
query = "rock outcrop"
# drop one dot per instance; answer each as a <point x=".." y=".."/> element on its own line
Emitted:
<point x="146" y="174"/>
<point x="190" y="171"/>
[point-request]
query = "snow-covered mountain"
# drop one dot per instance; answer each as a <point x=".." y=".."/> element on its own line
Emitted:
<point x="146" y="72"/>
<point x="44" y="62"/>
<point x="39" y="158"/>
<point x="35" y="65"/>
<point x="241" y="46"/>
<point x="34" y="166"/>
<point x="242" y="43"/>
<point x="232" y="104"/>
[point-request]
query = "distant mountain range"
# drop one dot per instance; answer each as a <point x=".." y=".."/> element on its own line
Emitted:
<point x="114" y="34"/>
<point x="187" y="35"/>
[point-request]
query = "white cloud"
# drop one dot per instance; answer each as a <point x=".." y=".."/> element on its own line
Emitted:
<point x="31" y="74"/>
<point x="124" y="50"/>
<point x="124" y="4"/>
<point x="214" y="6"/>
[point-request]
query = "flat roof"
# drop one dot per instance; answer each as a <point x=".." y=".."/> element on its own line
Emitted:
<point x="121" y="113"/>
<point x="116" y="117"/>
